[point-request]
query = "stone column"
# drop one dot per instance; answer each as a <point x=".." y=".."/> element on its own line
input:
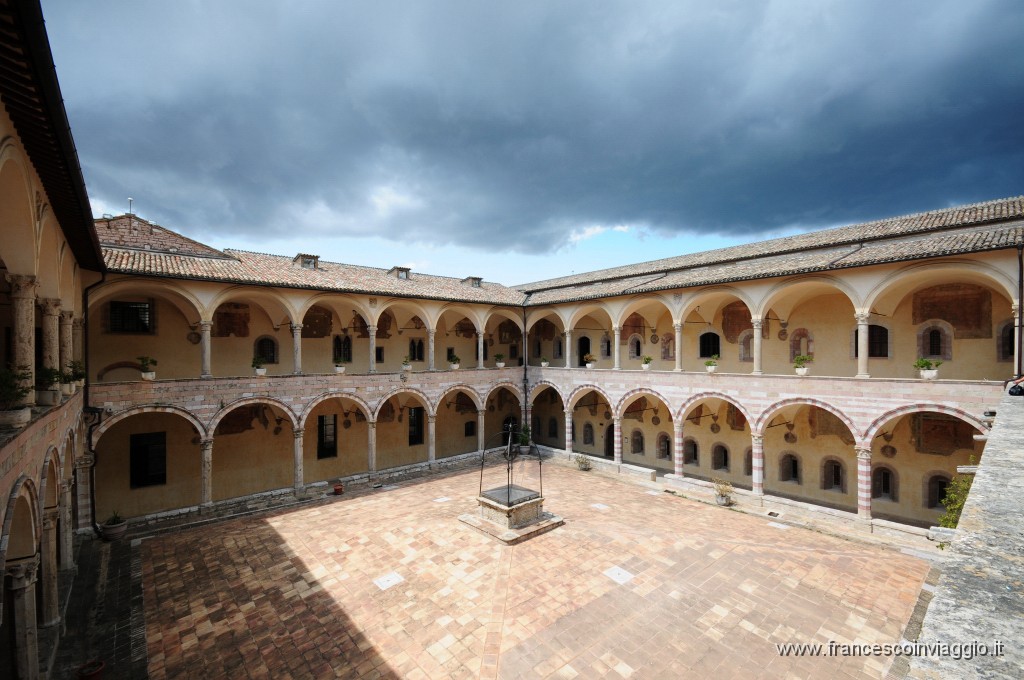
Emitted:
<point x="83" y="492"/>
<point x="51" y="332"/>
<point x="617" y="444"/>
<point x="67" y="543"/>
<point x="568" y="431"/>
<point x="373" y="348"/>
<point x="616" y="338"/>
<point x="757" y="463"/>
<point x="677" y="446"/>
<point x="21" y="579"/>
<point x="679" y="346"/>
<point x="431" y="439"/>
<point x="205" y="346"/>
<point x="480" y="438"/>
<point x="206" y="473"/>
<point x="297" y="348"/>
<point x="77" y="327"/>
<point x="66" y="347"/>
<point x="430" y="349"/>
<point x="371" y="445"/>
<point x="756" y="349"/>
<point x="480" y="349"/>
<point x="23" y="320"/>
<point x="862" y="344"/>
<point x="48" y="550"/>
<point x="863" y="482"/>
<point x="300" y="480"/>
<point x="568" y="349"/>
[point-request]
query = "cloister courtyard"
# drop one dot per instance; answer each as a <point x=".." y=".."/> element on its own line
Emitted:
<point x="387" y="582"/>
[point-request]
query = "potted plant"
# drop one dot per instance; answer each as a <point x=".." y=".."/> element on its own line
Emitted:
<point x="339" y="488"/>
<point x="46" y="381"/>
<point x="524" y="439"/>
<point x="406" y="363"/>
<point x="589" y="360"/>
<point x="929" y="369"/>
<point x="13" y="391"/>
<point x="582" y="462"/>
<point x="67" y="383"/>
<point x="145" y="364"/>
<point x="499" y="360"/>
<point x="723" y="491"/>
<point x="711" y="365"/>
<point x="544" y="363"/>
<point x="114" y="527"/>
<point x="257" y="364"/>
<point x="799" y="363"/>
<point x="339" y="367"/>
<point x="645" y="362"/>
<point x="454" y="361"/>
<point x="77" y="368"/>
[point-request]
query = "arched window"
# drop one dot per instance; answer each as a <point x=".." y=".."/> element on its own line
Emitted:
<point x="801" y="343"/>
<point x="720" y="458"/>
<point x="789" y="468"/>
<point x="637" y="443"/>
<point x="558" y="348"/>
<point x="553" y="427"/>
<point x="883" y="484"/>
<point x="636" y="346"/>
<point x="937" y="485"/>
<point x="748" y="463"/>
<point x="664" y="446"/>
<point x="606" y="347"/>
<point x="833" y="475"/>
<point x="668" y="347"/>
<point x="266" y="349"/>
<point x="935" y="340"/>
<point x="415" y="350"/>
<point x="746" y="343"/>
<point x="691" y="453"/>
<point x="337" y="349"/>
<point x="1004" y="352"/>
<point x="878" y="342"/>
<point x="710" y="345"/>
<point x="582" y="350"/>
<point x="588" y="433"/>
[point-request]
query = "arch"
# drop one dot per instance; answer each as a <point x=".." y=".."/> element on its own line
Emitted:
<point x="717" y="297"/>
<point x="697" y="398"/>
<point x="629" y="397"/>
<point x="872" y="430"/>
<point x="581" y="391"/>
<point x="509" y="385"/>
<point x="23" y="495"/>
<point x="148" y="408"/>
<point x="637" y="303"/>
<point x="341" y="305"/>
<point x="16" y="213"/>
<point x="462" y="387"/>
<point x="277" y="308"/>
<point x="903" y="281"/>
<point x="540" y="386"/>
<point x="577" y="314"/>
<point x="400" y="303"/>
<point x="316" y="401"/>
<point x="49" y="480"/>
<point x="174" y="294"/>
<point x="804" y="289"/>
<point x="770" y="412"/>
<point x="245" y="401"/>
<point x="505" y="313"/>
<point x="419" y="394"/>
<point x="533" y="316"/>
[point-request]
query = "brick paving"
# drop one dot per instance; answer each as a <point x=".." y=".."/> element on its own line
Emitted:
<point x="698" y="590"/>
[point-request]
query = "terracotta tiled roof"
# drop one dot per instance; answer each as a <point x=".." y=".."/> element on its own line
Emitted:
<point x="131" y="231"/>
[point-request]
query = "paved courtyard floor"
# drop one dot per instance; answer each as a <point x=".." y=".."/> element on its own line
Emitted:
<point x="637" y="583"/>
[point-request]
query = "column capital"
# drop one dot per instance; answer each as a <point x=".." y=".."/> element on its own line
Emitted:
<point x="862" y="317"/>
<point x="22" y="285"/>
<point x="49" y="306"/>
<point x="298" y="432"/>
<point x="22" y="572"/>
<point x="50" y="517"/>
<point x="67" y="318"/>
<point x="756" y="322"/>
<point x="1015" y="309"/>
<point x="863" y="452"/>
<point x="205" y="326"/>
<point x="677" y="425"/>
<point x="206" y="443"/>
<point x="431" y="417"/>
<point x="677" y="326"/>
<point x="67" y="485"/>
<point x="296" y="327"/>
<point x="85" y="461"/>
<point x="568" y="333"/>
<point x="756" y="438"/>
<point x="78" y="323"/>
<point x="431" y="332"/>
<point x="372" y="330"/>
<point x="617" y="420"/>
<point x="617" y="329"/>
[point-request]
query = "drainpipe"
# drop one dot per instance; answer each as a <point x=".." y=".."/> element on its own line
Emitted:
<point x="526" y="360"/>
<point x="1020" y="310"/>
<point x="92" y="411"/>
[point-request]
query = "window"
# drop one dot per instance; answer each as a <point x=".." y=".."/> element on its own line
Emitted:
<point x="378" y="354"/>
<point x="635" y="346"/>
<point x="148" y="459"/>
<point x="416" y="350"/>
<point x="1007" y="342"/>
<point x="691" y="454"/>
<point x="588" y="433"/>
<point x="553" y="427"/>
<point x="583" y="349"/>
<point x="746" y="343"/>
<point x="710" y="345"/>
<point x="131" y="317"/>
<point x="326" y="436"/>
<point x="664" y="447"/>
<point x="513" y="351"/>
<point x="937" y="485"/>
<point x="789" y="469"/>
<point x="558" y="349"/>
<point x="668" y="348"/>
<point x="636" y="443"/>
<point x="476" y="351"/>
<point x="748" y="463"/>
<point x="416" y="425"/>
<point x="341" y="349"/>
<point x="266" y="349"/>
<point x="883" y="484"/>
<point x="878" y="342"/>
<point x="470" y="428"/>
<point x="606" y="347"/>
<point x="832" y="477"/>
<point x="802" y="343"/>
<point x="720" y="458"/>
<point x="537" y="349"/>
<point x="935" y="342"/>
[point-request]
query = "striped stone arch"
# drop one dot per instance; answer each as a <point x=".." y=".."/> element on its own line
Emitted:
<point x="507" y="384"/>
<point x="363" y="406"/>
<point x="52" y="456"/>
<point x="680" y="415"/>
<point x="23" y="487"/>
<point x="578" y="393"/>
<point x="627" y="398"/>
<point x="880" y="421"/>
<point x="427" y="401"/>
<point x="152" y="408"/>
<point x="541" y="386"/>
<point x="771" y="410"/>
<point x="270" y="401"/>
<point x="462" y="387"/>
<point x="70" y="434"/>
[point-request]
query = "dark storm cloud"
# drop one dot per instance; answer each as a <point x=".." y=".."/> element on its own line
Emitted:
<point x="457" y="121"/>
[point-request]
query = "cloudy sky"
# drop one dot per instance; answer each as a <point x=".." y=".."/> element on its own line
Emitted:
<point x="524" y="140"/>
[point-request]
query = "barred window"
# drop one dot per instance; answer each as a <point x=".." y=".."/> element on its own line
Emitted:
<point x="131" y="317"/>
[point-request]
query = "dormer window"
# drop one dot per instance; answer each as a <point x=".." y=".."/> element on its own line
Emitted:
<point x="473" y="281"/>
<point x="399" y="272"/>
<point x="307" y="261"/>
